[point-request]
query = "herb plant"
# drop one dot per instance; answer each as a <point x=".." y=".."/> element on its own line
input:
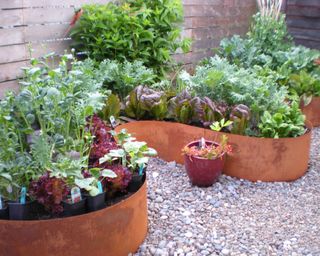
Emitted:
<point x="131" y="30"/>
<point x="286" y="122"/>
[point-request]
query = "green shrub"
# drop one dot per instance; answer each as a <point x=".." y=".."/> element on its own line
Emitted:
<point x="123" y="77"/>
<point x="133" y="30"/>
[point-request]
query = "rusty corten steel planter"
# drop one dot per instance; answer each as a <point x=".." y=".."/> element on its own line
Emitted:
<point x="312" y="111"/>
<point x="115" y="231"/>
<point x="264" y="159"/>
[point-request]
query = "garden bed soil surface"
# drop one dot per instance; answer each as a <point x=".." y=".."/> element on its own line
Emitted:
<point x="234" y="216"/>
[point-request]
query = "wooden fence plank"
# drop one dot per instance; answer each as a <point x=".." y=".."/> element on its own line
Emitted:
<point x="11" y="71"/>
<point x="303" y="22"/>
<point x="39" y="33"/>
<point x="305" y="11"/>
<point x="313" y="3"/>
<point x="46" y="32"/>
<point x="58" y="47"/>
<point x="8" y="86"/>
<point x="11" y="17"/>
<point x="13" y="53"/>
<point x="11" y="36"/>
<point x="10" y="4"/>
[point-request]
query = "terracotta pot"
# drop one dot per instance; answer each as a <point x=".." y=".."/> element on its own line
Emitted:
<point x="116" y="230"/>
<point x="264" y="159"/>
<point x="203" y="172"/>
<point x="312" y="111"/>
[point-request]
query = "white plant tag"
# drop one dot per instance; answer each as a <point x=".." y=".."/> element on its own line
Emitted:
<point x="112" y="121"/>
<point x="202" y="143"/>
<point x="75" y="195"/>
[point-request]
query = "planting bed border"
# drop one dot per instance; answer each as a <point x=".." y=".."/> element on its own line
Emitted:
<point x="115" y="230"/>
<point x="254" y="159"/>
<point x="312" y="111"/>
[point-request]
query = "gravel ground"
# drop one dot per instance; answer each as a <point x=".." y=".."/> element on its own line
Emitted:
<point x="233" y="217"/>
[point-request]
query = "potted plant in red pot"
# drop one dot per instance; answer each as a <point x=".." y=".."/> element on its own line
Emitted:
<point x="204" y="160"/>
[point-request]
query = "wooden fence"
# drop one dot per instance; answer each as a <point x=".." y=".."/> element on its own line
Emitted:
<point x="41" y="25"/>
<point x="303" y="19"/>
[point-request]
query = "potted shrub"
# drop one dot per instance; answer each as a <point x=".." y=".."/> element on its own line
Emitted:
<point x="204" y="160"/>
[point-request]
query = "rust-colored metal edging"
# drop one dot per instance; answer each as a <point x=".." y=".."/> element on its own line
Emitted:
<point x="264" y="159"/>
<point x="116" y="231"/>
<point x="312" y="111"/>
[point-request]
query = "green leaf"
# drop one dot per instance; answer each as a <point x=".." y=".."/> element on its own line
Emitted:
<point x="108" y="173"/>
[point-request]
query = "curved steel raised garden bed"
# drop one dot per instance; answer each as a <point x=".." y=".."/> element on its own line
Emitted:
<point x="253" y="158"/>
<point x="115" y="231"/>
<point x="312" y="111"/>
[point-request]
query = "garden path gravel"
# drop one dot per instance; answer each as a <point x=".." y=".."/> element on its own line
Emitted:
<point x="233" y="217"/>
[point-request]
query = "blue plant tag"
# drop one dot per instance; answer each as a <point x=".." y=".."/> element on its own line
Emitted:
<point x="100" y="187"/>
<point x="23" y="195"/>
<point x="1" y="206"/>
<point x="140" y="170"/>
<point x="75" y="195"/>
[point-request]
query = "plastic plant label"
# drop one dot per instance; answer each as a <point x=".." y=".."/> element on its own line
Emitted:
<point x="202" y="143"/>
<point x="23" y="195"/>
<point x="1" y="206"/>
<point x="75" y="195"/>
<point x="100" y="187"/>
<point x="112" y="121"/>
<point x="141" y="169"/>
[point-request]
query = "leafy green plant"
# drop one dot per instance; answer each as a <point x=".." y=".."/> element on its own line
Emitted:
<point x="269" y="34"/>
<point x="144" y="102"/>
<point x="90" y="184"/>
<point x="288" y="121"/>
<point x="183" y="107"/>
<point x="219" y="125"/>
<point x="305" y="85"/>
<point x="222" y="81"/>
<point x="131" y="30"/>
<point x="122" y="77"/>
<point x="132" y="154"/>
<point x="112" y="107"/>
<point x="209" y="111"/>
<point x="240" y="117"/>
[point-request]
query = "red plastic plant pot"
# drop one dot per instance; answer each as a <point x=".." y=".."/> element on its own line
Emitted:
<point x="203" y="172"/>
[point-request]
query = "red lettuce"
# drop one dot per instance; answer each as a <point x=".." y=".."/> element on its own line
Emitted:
<point x="103" y="141"/>
<point x="49" y="191"/>
<point x="118" y="184"/>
